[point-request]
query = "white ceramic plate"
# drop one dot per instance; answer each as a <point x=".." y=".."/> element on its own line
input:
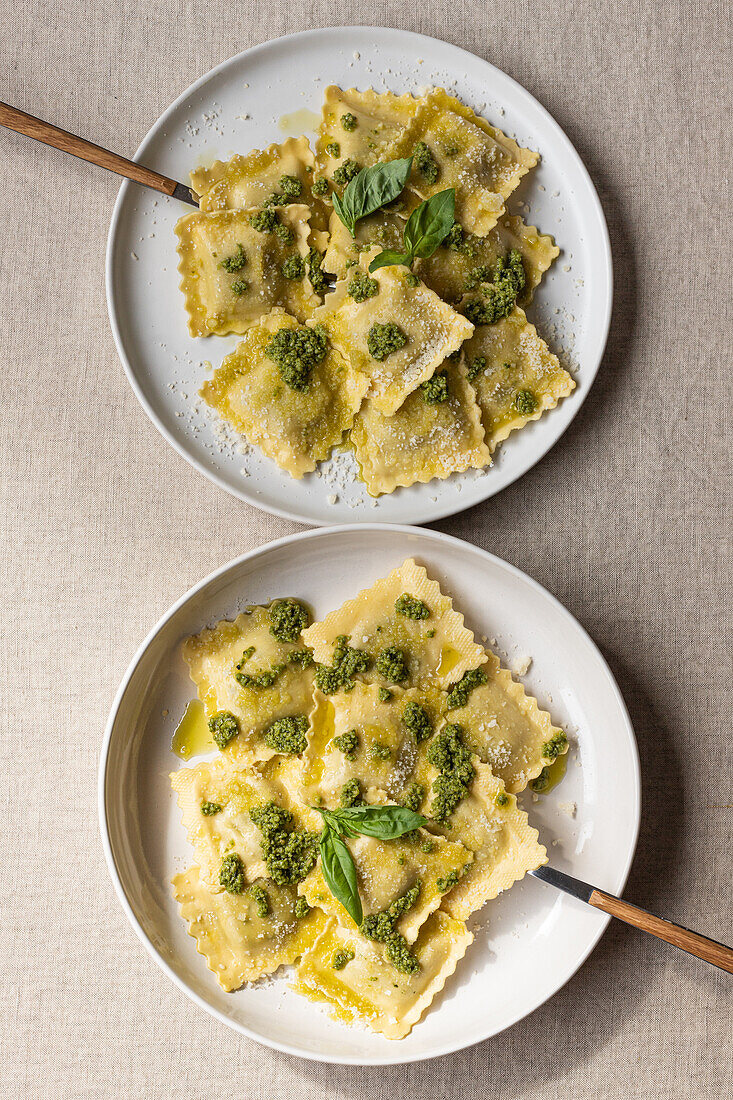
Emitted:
<point x="530" y="940"/>
<point x="245" y="103"/>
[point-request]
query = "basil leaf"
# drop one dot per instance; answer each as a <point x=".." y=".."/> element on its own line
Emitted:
<point x="430" y="223"/>
<point x="382" y="822"/>
<point x="371" y="189"/>
<point x="389" y="257"/>
<point x="340" y="873"/>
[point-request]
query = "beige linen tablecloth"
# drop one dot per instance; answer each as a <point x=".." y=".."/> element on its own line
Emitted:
<point x="104" y="526"/>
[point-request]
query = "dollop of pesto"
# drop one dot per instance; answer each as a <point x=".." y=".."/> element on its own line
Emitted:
<point x="378" y="751"/>
<point x="448" y="882"/>
<point x="476" y="366"/>
<point x="347" y="743"/>
<point x="346" y="663"/>
<point x="302" y="657"/>
<point x="416" y="719"/>
<point x="350" y="793"/>
<point x="525" y="402"/>
<point x="481" y="274"/>
<point x="240" y="287"/>
<point x="452" y="759"/>
<point x="293" y="267"/>
<point x="362" y="287"/>
<point x="260" y="680"/>
<point x="288" y="619"/>
<point x="287" y="735"/>
<point x="498" y="297"/>
<point x="289" y="853"/>
<point x="384" y="695"/>
<point x="348" y="122"/>
<point x="459" y="692"/>
<point x="430" y="633"/>
<point x="260" y="898"/>
<point x="208" y="809"/>
<point x="297" y="351"/>
<point x="411" y="607"/>
<point x="284" y="233"/>
<point x="428" y="846"/>
<point x="320" y="186"/>
<point x="413" y="797"/>
<point x="391" y="665"/>
<point x="231" y="874"/>
<point x="333" y="149"/>
<point x="302" y="909"/>
<point x="382" y="340"/>
<point x="380" y="927"/>
<point x="345" y="172"/>
<point x="425" y="163"/>
<point x="342" y="957"/>
<point x="555" y="746"/>
<point x="291" y="187"/>
<point x="235" y="262"/>
<point x="264" y="221"/>
<point x="223" y="727"/>
<point x="501" y="799"/>
<point x="455" y="238"/>
<point x="316" y="275"/>
<point x="435" y="389"/>
<point x="411" y="279"/>
<point x="542" y="781"/>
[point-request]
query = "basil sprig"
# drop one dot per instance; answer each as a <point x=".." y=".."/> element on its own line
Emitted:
<point x="369" y="190"/>
<point x="337" y="864"/>
<point x="426" y="228"/>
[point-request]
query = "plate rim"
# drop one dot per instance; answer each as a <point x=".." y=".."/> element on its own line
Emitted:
<point x="454" y="507"/>
<point x="328" y="532"/>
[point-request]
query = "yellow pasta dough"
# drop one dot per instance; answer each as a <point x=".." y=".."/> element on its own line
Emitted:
<point x="422" y="440"/>
<point x="383" y="229"/>
<point x="381" y="119"/>
<point x="295" y="429"/>
<point x="520" y="379"/>
<point x="368" y="988"/>
<point x="239" y="944"/>
<point x="231" y="273"/>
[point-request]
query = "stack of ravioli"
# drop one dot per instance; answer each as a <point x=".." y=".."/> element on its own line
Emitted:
<point x="389" y="700"/>
<point x="253" y="261"/>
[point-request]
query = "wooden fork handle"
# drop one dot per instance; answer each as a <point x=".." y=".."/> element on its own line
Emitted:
<point x="78" y="147"/>
<point x="709" y="950"/>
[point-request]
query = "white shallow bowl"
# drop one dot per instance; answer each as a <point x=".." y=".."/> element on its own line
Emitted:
<point x="530" y="940"/>
<point x="260" y="96"/>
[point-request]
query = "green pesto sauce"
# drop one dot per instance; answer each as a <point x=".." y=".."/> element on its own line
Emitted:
<point x="430" y="633"/>
<point x="555" y="746"/>
<point x="333" y="149"/>
<point x="231" y="874"/>
<point x="501" y="799"/>
<point x="476" y="367"/>
<point x="235" y="262"/>
<point x="264" y="221"/>
<point x="320" y="186"/>
<point x="378" y="751"/>
<point x="287" y="735"/>
<point x="345" y="172"/>
<point x="264" y="679"/>
<point x="260" y="898"/>
<point x="435" y="389"/>
<point x="350" y="793"/>
<point x="425" y="162"/>
<point x="291" y="187"/>
<point x="384" y="339"/>
<point x="361" y="287"/>
<point x="348" y="122"/>
<point x="293" y="267"/>
<point x="417" y="721"/>
<point x="427" y="846"/>
<point x="345" y="664"/>
<point x="481" y="274"/>
<point x="411" y="607"/>
<point x="240" y="287"/>
<point x="208" y="809"/>
<point x="391" y="665"/>
<point x="447" y="883"/>
<point x="413" y="797"/>
<point x="288" y="618"/>
<point x="347" y="743"/>
<point x="450" y="756"/>
<point x="302" y="657"/>
<point x="342" y="957"/>
<point x="498" y="297"/>
<point x="285" y="233"/>
<point x="289" y="853"/>
<point x="381" y="928"/>
<point x="525" y="402"/>
<point x="384" y="695"/>
<point x="316" y="275"/>
<point x="224" y="726"/>
<point x="302" y="909"/>
<point x="297" y="351"/>
<point x="411" y="279"/>
<point x="458" y="693"/>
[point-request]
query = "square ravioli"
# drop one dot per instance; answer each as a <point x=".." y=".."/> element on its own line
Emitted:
<point x="237" y="941"/>
<point x="425" y="439"/>
<point x="506" y="729"/>
<point x="232" y="273"/>
<point x="383" y="229"/>
<point x="368" y="988"/>
<point x="359" y="129"/>
<point x="515" y="375"/>
<point x="276" y="176"/>
<point x="296" y="422"/>
<point x="241" y="669"/>
<point x="216" y="799"/>
<point x="408" y="631"/>
<point x="453" y="147"/>
<point x="387" y="871"/>
<point x="464" y="260"/>
<point x="363" y="745"/>
<point x="397" y="337"/>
